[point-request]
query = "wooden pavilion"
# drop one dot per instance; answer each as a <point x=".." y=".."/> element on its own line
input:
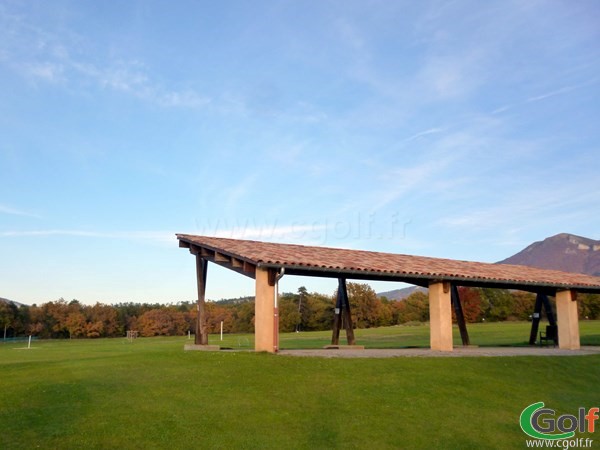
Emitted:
<point x="267" y="262"/>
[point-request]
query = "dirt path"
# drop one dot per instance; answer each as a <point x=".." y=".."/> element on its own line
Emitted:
<point x="457" y="352"/>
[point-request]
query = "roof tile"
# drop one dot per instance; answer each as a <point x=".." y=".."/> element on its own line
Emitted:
<point x="319" y="259"/>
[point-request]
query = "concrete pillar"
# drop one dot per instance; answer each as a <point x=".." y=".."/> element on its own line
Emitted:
<point x="440" y="316"/>
<point x="567" y="320"/>
<point x="264" y="313"/>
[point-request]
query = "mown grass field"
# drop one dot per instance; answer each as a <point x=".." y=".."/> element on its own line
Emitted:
<point x="481" y="334"/>
<point x="150" y="394"/>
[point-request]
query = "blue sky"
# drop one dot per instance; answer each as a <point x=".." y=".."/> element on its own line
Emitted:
<point x="457" y="129"/>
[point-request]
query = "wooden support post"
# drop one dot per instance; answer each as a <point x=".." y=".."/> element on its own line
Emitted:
<point x="347" y="316"/>
<point x="460" y="318"/>
<point x="337" y="319"/>
<point x="343" y="315"/>
<point x="440" y="316"/>
<point x="264" y="309"/>
<point x="201" y="337"/>
<point x="541" y="302"/>
<point x="568" y="321"/>
<point x="535" y="320"/>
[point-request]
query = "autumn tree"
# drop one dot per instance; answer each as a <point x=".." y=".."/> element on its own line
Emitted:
<point x="37" y="325"/>
<point x="56" y="317"/>
<point x="102" y="321"/>
<point x="162" y="322"/>
<point x="365" y="307"/>
<point x="215" y="314"/>
<point x="76" y="324"/>
<point x="243" y="318"/>
<point x="471" y="302"/>
<point x="522" y="306"/>
<point x="8" y="315"/>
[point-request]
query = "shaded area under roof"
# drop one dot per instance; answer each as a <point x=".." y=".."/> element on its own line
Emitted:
<point x="244" y="256"/>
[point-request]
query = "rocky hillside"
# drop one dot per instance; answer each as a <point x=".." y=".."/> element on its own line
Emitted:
<point x="565" y="252"/>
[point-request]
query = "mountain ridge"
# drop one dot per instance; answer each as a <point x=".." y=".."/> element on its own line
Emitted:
<point x="5" y="300"/>
<point x="564" y="251"/>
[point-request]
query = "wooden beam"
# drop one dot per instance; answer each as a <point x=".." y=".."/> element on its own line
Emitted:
<point x="249" y="268"/>
<point x="347" y="315"/>
<point x="424" y="281"/>
<point x="237" y="263"/>
<point x="337" y="319"/>
<point x="535" y="319"/>
<point x="342" y="315"/>
<point x="272" y="277"/>
<point x="541" y="302"/>
<point x="222" y="258"/>
<point x="460" y="318"/>
<point x="206" y="253"/>
<point x="201" y="326"/>
<point x="184" y="244"/>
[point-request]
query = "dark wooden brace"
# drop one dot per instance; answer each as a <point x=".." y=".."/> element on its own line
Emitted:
<point x="201" y="326"/>
<point x="460" y="318"/>
<point x="342" y="316"/>
<point x="541" y="300"/>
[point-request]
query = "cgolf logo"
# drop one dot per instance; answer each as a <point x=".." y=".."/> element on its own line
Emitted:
<point x="540" y="423"/>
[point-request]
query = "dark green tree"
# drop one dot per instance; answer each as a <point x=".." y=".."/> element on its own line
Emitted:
<point x="8" y="315"/>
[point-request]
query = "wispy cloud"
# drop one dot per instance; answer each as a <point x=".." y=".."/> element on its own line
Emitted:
<point x="404" y="180"/>
<point x="295" y="232"/>
<point x="528" y="207"/>
<point x="539" y="97"/>
<point x="183" y="99"/>
<point x="234" y="194"/>
<point x="133" y="78"/>
<point x="157" y="236"/>
<point x="60" y="57"/>
<point x="502" y="109"/>
<point x="444" y="77"/>
<point x="424" y="133"/>
<point x="546" y="95"/>
<point x="46" y="71"/>
<point x="16" y="212"/>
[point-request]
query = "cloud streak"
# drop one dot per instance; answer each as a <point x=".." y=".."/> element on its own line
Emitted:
<point x="42" y="55"/>
<point x="157" y="236"/>
<point x="16" y="212"/>
<point x="424" y="133"/>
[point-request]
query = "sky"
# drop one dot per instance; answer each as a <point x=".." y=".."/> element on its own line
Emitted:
<point x="454" y="129"/>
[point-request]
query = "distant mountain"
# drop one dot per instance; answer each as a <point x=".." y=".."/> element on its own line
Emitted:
<point x="565" y="252"/>
<point x="5" y="300"/>
<point x="401" y="294"/>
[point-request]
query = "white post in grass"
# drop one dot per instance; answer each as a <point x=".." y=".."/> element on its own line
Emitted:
<point x="221" y="330"/>
<point x="189" y="334"/>
<point x="29" y="345"/>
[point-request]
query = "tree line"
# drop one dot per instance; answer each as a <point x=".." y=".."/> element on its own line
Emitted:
<point x="300" y="311"/>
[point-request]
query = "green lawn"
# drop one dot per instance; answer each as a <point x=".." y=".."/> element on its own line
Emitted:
<point x="481" y="334"/>
<point x="149" y="394"/>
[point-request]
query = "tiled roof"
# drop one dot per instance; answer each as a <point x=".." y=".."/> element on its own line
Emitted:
<point x="326" y="261"/>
